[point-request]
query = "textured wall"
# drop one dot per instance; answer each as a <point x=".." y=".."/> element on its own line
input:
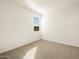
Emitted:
<point x="62" y="25"/>
<point x="16" y="27"/>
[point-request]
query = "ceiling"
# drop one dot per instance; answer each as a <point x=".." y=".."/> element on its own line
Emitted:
<point x="44" y="6"/>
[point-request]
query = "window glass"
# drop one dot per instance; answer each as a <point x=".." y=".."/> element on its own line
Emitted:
<point x="36" y="20"/>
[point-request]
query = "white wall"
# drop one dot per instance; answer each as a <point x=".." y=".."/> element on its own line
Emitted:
<point x="62" y="25"/>
<point x="15" y="26"/>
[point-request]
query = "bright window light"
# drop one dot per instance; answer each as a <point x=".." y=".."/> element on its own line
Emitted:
<point x="30" y="54"/>
<point x="36" y="20"/>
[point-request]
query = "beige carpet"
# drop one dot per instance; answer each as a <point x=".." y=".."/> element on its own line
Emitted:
<point x="44" y="50"/>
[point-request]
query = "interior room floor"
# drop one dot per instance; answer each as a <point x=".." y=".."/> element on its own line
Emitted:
<point x="43" y="49"/>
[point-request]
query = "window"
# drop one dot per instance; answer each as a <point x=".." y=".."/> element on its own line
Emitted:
<point x="36" y="23"/>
